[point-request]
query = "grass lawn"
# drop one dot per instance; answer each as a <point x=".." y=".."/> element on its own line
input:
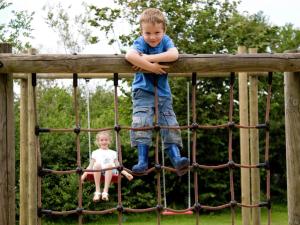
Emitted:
<point x="278" y="217"/>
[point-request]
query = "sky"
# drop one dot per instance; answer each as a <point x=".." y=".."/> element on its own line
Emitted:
<point x="278" y="13"/>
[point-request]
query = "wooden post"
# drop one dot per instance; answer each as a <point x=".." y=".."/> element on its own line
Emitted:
<point x="244" y="142"/>
<point x="292" y="129"/>
<point x="254" y="145"/>
<point x="7" y="146"/>
<point x="32" y="157"/>
<point x="24" y="153"/>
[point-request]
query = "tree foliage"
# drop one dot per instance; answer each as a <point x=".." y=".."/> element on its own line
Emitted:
<point x="288" y="38"/>
<point x="217" y="25"/>
<point x="253" y="31"/>
<point x="16" y="31"/>
<point x="189" y="22"/>
<point x="73" y="31"/>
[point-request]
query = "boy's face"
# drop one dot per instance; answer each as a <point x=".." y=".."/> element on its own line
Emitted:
<point x="103" y="141"/>
<point x="152" y="33"/>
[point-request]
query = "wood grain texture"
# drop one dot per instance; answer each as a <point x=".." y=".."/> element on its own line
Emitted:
<point x="254" y="145"/>
<point x="244" y="142"/>
<point x="60" y="63"/>
<point x="292" y="129"/>
<point x="32" y="157"/>
<point x="24" y="153"/>
<point x="7" y="147"/>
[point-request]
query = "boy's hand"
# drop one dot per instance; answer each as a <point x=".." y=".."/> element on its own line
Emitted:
<point x="159" y="69"/>
<point x="136" y="68"/>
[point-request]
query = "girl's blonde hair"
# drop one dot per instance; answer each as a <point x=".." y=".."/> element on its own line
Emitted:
<point x="154" y="16"/>
<point x="103" y="133"/>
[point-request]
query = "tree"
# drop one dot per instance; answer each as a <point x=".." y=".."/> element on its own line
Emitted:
<point x="288" y="38"/>
<point x="73" y="32"/>
<point x="253" y="31"/>
<point x="17" y="31"/>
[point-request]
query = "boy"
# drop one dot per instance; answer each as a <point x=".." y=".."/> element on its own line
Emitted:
<point x="152" y="47"/>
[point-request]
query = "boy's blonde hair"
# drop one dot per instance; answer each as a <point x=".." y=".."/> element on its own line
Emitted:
<point x="154" y="16"/>
<point x="103" y="133"/>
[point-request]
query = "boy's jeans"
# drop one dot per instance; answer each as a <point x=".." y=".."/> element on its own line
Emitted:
<point x="143" y="116"/>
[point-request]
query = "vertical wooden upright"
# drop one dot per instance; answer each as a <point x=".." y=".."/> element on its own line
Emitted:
<point x="32" y="157"/>
<point x="254" y="145"/>
<point x="24" y="153"/>
<point x="7" y="146"/>
<point x="244" y="142"/>
<point x="292" y="130"/>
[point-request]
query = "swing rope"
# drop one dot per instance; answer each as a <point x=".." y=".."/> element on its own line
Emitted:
<point x="87" y="91"/>
<point x="189" y="157"/>
<point x="189" y="140"/>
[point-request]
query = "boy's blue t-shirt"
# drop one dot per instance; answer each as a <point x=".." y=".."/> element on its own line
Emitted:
<point x="145" y="81"/>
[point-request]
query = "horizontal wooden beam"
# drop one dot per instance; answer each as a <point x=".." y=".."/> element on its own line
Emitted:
<point x="60" y="63"/>
<point x="124" y="75"/>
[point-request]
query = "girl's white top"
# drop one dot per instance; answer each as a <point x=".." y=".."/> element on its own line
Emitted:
<point x="104" y="156"/>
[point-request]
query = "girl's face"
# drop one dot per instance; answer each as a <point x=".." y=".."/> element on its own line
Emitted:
<point x="103" y="141"/>
<point x="152" y="33"/>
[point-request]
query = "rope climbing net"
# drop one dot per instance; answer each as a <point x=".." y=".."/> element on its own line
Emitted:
<point x="158" y="168"/>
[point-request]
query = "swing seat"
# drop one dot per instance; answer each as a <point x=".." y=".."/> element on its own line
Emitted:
<point x="169" y="213"/>
<point x="114" y="179"/>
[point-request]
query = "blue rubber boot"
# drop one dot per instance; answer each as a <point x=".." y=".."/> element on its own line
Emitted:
<point x="142" y="165"/>
<point x="177" y="161"/>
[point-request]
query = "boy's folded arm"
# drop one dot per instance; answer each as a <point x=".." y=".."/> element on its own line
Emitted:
<point x="140" y="63"/>
<point x="136" y="59"/>
<point x="169" y="56"/>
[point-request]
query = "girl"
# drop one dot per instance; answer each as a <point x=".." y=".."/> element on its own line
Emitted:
<point x="103" y="158"/>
